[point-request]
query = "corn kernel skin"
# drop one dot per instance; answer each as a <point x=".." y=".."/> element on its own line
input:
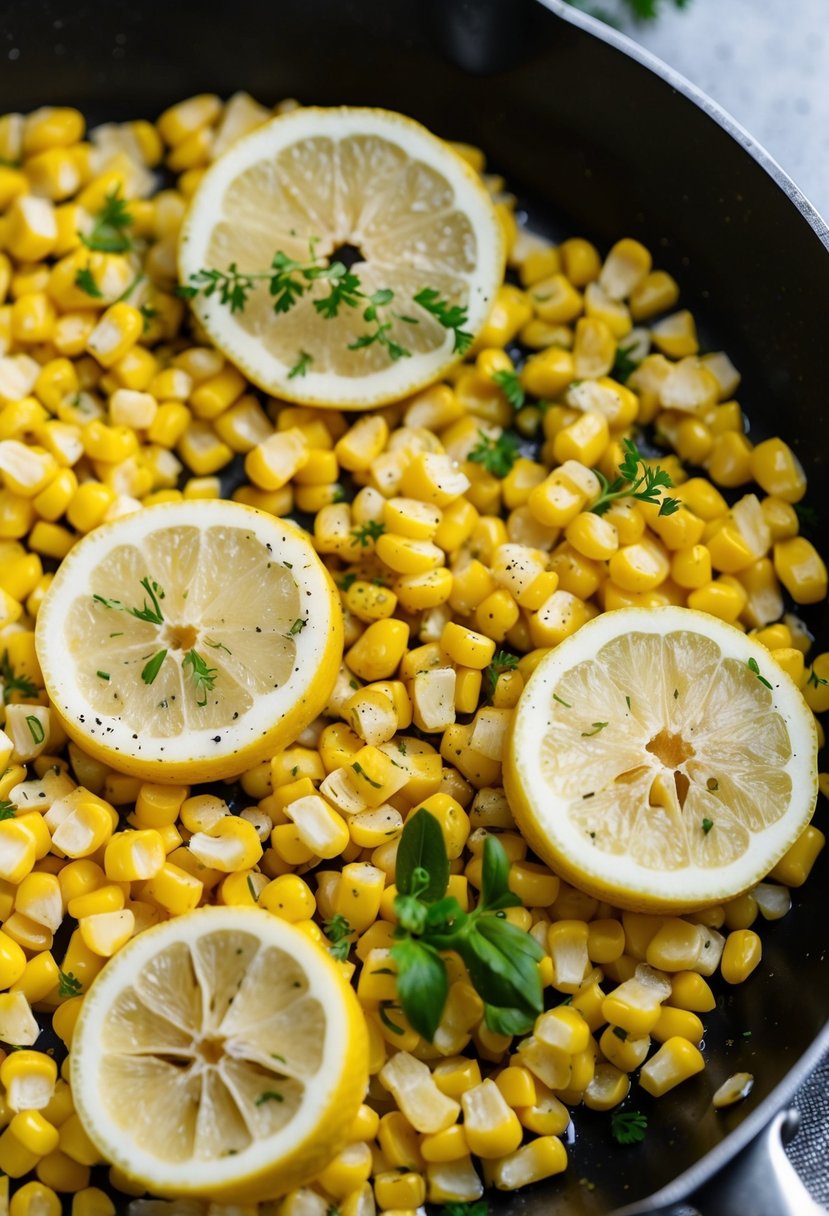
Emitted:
<point x="675" y="1061"/>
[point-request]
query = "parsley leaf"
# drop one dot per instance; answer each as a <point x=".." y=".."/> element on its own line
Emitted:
<point x="153" y="667"/>
<point x="628" y="1127"/>
<point x="754" y="667"/>
<point x="450" y="316"/>
<point x="510" y="385"/>
<point x="502" y="661"/>
<point x="109" y="229"/>
<point x="204" y="677"/>
<point x="644" y="485"/>
<point x="496" y="455"/>
<point x="68" y="984"/>
<point x="623" y="365"/>
<point x="339" y="932"/>
<point x="149" y="612"/>
<point x="301" y="366"/>
<point x="85" y="281"/>
<point x="13" y="683"/>
<point x="365" y="533"/>
<point x="7" y="809"/>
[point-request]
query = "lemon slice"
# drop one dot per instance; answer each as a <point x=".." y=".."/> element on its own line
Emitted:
<point x="369" y="185"/>
<point x="188" y="641"/>
<point x="220" y="1054"/>
<point x="661" y="760"/>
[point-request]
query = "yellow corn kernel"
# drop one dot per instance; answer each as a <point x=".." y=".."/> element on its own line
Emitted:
<point x="185" y="118"/>
<point x="624" y="1051"/>
<point x="411" y="1084"/>
<point x="201" y="449"/>
<point x="655" y="293"/>
<point x="92" y="1202"/>
<point x="640" y="567"/>
<point x="174" y="889"/>
<point x="31" y="230"/>
<point x="676" y="335"/>
<point x="491" y="1128"/>
<point x="676" y="946"/>
<point x="17" y="852"/>
<point x="62" y="1174"/>
<point x="358" y="894"/>
<point x="801" y="570"/>
<point x="634" y="1005"/>
<point x="274" y="461"/>
<point x="511" y="309"/>
<point x="608" y="1087"/>
<point x="35" y="1199"/>
<point x="376" y="655"/>
<point x="691" y="567"/>
<point x="289" y="898"/>
<point x="119" y="328"/>
<point x="395" y="1191"/>
<point x="542" y="1158"/>
<point x="433" y="478"/>
<point x="134" y="856"/>
<point x="230" y="845"/>
<point x="593" y="536"/>
<point x="559" y="617"/>
<point x="719" y="598"/>
<point x="33" y="318"/>
<point x="407" y="556"/>
<point x="781" y="518"/>
<point x="106" y="932"/>
<point x="466" y="647"/>
<point x="677" y="1023"/>
<point x="816" y="687"/>
<point x="448" y="1145"/>
<point x="319" y="827"/>
<point x="775" y="467"/>
<point x="675" y="1061"/>
<point x="12" y="960"/>
<point x="51" y="540"/>
<point x="555" y="299"/>
<point x="796" y="864"/>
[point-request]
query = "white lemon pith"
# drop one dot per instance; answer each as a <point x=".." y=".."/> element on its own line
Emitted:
<point x="372" y="180"/>
<point x="220" y="1054"/>
<point x="661" y="760"/>
<point x="234" y="652"/>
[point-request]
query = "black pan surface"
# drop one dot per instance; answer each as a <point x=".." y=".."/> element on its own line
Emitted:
<point x="594" y="143"/>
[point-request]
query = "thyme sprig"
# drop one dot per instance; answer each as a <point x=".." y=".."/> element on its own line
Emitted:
<point x="637" y="480"/>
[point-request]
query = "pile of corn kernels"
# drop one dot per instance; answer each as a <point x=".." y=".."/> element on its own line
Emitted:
<point x="454" y="581"/>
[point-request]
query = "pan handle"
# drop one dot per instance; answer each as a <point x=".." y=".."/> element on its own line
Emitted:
<point x="760" y="1180"/>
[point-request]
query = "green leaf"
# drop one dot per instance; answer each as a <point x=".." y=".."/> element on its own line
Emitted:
<point x="445" y="916"/>
<point x="86" y="283"/>
<point x="422" y="985"/>
<point x="628" y="1127"/>
<point x="496" y="455"/>
<point x="495" y="876"/>
<point x="502" y="964"/>
<point x="109" y="229"/>
<point x="151" y="669"/>
<point x="510" y="385"/>
<point x="507" y="1021"/>
<point x="421" y="845"/>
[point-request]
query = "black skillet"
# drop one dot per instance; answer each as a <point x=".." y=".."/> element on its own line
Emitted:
<point x="597" y="138"/>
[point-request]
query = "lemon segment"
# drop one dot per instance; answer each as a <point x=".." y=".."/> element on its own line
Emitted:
<point x="661" y="760"/>
<point x="414" y="215"/>
<point x="189" y="640"/>
<point x="220" y="1054"/>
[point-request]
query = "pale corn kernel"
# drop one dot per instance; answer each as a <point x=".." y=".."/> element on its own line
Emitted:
<point x="674" y="1062"/>
<point x="411" y="1084"/>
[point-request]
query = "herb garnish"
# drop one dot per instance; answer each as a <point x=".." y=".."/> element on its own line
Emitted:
<point x="68" y="984"/>
<point x="7" y="809"/>
<point x="707" y="825"/>
<point x="35" y="729"/>
<point x="502" y="661"/>
<point x="754" y="666"/>
<point x="204" y="677"/>
<point x="502" y="960"/>
<point x="365" y="533"/>
<point x="151" y="669"/>
<point x="288" y="280"/>
<point x="85" y="281"/>
<point x="597" y="727"/>
<point x="628" y="1127"/>
<point x="109" y="229"/>
<point x="815" y="679"/>
<point x="338" y="931"/>
<point x="643" y="486"/>
<point x="624" y="365"/>
<point x="13" y="683"/>
<point x="301" y="366"/>
<point x="270" y="1095"/>
<point x="496" y="455"/>
<point x="509" y="382"/>
<point x="151" y="613"/>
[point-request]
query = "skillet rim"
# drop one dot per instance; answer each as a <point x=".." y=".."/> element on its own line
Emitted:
<point x="683" y="1186"/>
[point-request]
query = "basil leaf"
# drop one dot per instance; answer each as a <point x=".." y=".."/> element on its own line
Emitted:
<point x="422" y="985"/>
<point x="502" y="964"/>
<point x="446" y="916"/>
<point x="495" y="872"/>
<point x="410" y="913"/>
<point x="421" y="847"/>
<point x="507" y="1021"/>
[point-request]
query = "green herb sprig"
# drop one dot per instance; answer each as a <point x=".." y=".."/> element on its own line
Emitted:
<point x="149" y="612"/>
<point x="628" y="1126"/>
<point x="14" y="683"/>
<point x="636" y="480"/>
<point x="502" y="661"/>
<point x="68" y="984"/>
<point x="110" y="228"/>
<point x="340" y="934"/>
<point x="7" y="809"/>
<point x="509" y="382"/>
<point x="287" y="280"/>
<point x="501" y="959"/>
<point x="496" y="455"/>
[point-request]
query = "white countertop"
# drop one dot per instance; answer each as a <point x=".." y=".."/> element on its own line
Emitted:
<point x="765" y="61"/>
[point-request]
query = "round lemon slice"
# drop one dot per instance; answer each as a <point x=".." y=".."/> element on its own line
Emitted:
<point x="374" y="190"/>
<point x="189" y="640"/>
<point x="220" y="1054"/>
<point x="661" y="760"/>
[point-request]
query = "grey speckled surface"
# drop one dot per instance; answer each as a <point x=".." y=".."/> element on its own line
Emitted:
<point x="767" y="63"/>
